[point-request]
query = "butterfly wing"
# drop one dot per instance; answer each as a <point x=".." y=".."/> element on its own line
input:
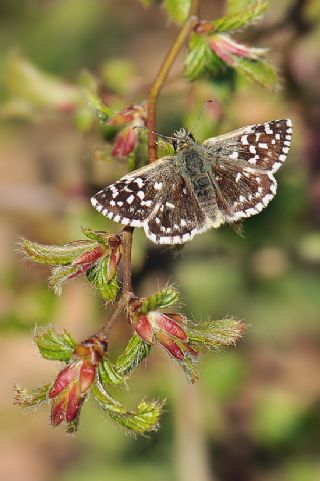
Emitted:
<point x="178" y="217"/>
<point x="132" y="199"/>
<point x="261" y="146"/>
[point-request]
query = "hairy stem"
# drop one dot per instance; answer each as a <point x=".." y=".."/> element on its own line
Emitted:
<point x="162" y="76"/>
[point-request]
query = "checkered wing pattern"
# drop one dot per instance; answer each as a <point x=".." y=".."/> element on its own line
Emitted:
<point x="157" y="198"/>
<point x="133" y="198"/>
<point x="261" y="146"/>
<point x="243" y="163"/>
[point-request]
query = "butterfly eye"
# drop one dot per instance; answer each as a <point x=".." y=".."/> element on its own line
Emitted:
<point x="190" y="136"/>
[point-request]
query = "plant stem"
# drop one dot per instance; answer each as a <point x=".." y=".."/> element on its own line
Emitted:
<point x="126" y="294"/>
<point x="162" y="76"/>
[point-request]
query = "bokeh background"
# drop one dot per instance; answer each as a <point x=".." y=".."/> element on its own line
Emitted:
<point x="254" y="414"/>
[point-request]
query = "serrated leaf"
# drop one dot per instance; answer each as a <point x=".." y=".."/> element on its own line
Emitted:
<point x="31" y="397"/>
<point x="216" y="334"/>
<point x="241" y="18"/>
<point x="198" y="57"/>
<point x="108" y="374"/>
<point x="258" y="71"/>
<point x="54" y="346"/>
<point x="144" y="419"/>
<point x="54" y="254"/>
<point x="177" y="10"/>
<point x="99" y="275"/>
<point x="135" y="351"/>
<point x="162" y="299"/>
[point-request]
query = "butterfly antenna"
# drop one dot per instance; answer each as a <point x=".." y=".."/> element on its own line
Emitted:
<point x="152" y="131"/>
<point x="200" y="114"/>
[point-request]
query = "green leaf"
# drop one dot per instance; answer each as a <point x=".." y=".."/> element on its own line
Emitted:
<point x="241" y="18"/>
<point x="55" y="347"/>
<point x="200" y="58"/>
<point x="31" y="397"/>
<point x="60" y="275"/>
<point x="144" y="419"/>
<point x="189" y="367"/>
<point x="162" y="299"/>
<point x="55" y="254"/>
<point x="108" y="374"/>
<point x="216" y="334"/>
<point x="258" y="71"/>
<point x="103" y="112"/>
<point x="233" y="7"/>
<point x="99" y="275"/>
<point x="177" y="10"/>
<point x="135" y="351"/>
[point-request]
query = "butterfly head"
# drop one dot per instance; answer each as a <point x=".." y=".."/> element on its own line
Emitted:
<point x="182" y="139"/>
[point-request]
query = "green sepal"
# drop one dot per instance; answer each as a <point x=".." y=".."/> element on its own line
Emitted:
<point x="215" y="335"/>
<point x="200" y="58"/>
<point x="55" y="254"/>
<point x="258" y="71"/>
<point x="189" y="367"/>
<point x="177" y="10"/>
<point x="234" y="7"/>
<point x="161" y="300"/>
<point x="108" y="374"/>
<point x="102" y="111"/>
<point x="241" y="18"/>
<point x="144" y="419"/>
<point x="99" y="275"/>
<point x="31" y="397"/>
<point x="135" y="351"/>
<point x="54" y="346"/>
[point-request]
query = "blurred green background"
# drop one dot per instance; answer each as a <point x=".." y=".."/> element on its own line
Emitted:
<point x="255" y="412"/>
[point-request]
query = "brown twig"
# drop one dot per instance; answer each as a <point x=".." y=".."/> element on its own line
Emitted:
<point x="162" y="76"/>
<point x="127" y="233"/>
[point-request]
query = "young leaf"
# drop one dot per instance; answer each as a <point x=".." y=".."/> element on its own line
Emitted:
<point x="241" y="18"/>
<point x="31" y="397"/>
<point x="54" y="254"/>
<point x="135" y="351"/>
<point x="200" y="58"/>
<point x="216" y="334"/>
<point x="258" y="71"/>
<point x="54" y="346"/>
<point x="62" y="274"/>
<point x="103" y="112"/>
<point x="162" y="299"/>
<point x="99" y="275"/>
<point x="107" y="373"/>
<point x="233" y="7"/>
<point x="144" y="419"/>
<point x="177" y="10"/>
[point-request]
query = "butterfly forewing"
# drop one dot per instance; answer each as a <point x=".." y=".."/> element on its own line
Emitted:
<point x="132" y="199"/>
<point x="261" y="146"/>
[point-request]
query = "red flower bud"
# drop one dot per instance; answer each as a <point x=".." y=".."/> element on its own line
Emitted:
<point x="125" y="143"/>
<point x="144" y="329"/>
<point x="90" y="257"/>
<point x="228" y="49"/>
<point x="168" y="343"/>
<point x="74" y="381"/>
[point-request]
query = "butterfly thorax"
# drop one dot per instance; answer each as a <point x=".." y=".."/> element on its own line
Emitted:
<point x="189" y="154"/>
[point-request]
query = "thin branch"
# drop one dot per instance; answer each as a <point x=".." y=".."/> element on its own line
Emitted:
<point x="162" y="76"/>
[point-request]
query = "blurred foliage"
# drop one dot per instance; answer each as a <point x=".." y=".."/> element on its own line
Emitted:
<point x="269" y="276"/>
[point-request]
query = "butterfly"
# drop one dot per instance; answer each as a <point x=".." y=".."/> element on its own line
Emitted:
<point x="222" y="180"/>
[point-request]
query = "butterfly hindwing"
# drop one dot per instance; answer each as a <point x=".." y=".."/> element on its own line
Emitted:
<point x="177" y="217"/>
<point x="240" y="193"/>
